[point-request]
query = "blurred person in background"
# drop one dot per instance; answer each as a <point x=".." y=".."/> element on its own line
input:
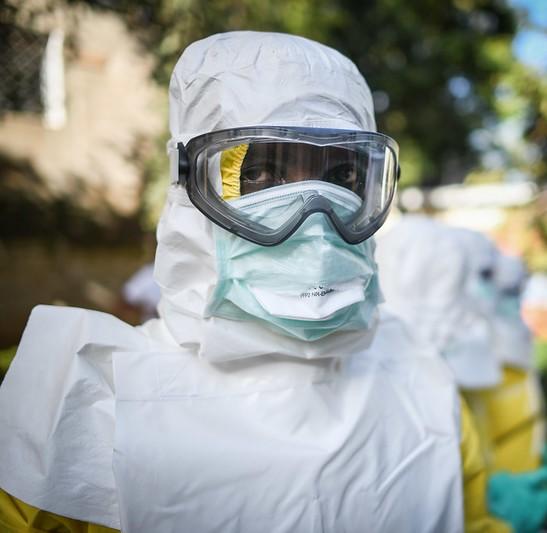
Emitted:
<point x="270" y="395"/>
<point x="139" y="298"/>
<point x="511" y="415"/>
<point x="513" y="337"/>
<point x="447" y="287"/>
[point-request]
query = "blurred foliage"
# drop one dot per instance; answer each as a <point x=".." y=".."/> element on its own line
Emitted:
<point x="522" y="94"/>
<point x="540" y="355"/>
<point x="6" y="357"/>
<point x="525" y="233"/>
<point x="480" y="176"/>
<point x="24" y="191"/>
<point x="443" y="75"/>
<point x="156" y="174"/>
<point x="435" y="67"/>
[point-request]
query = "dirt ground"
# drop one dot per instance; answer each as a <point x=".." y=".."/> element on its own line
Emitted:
<point x="33" y="273"/>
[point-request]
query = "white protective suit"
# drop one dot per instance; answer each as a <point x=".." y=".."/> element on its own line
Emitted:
<point x="428" y="279"/>
<point x="223" y="426"/>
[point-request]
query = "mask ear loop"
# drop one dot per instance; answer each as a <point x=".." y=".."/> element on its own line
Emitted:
<point x="177" y="162"/>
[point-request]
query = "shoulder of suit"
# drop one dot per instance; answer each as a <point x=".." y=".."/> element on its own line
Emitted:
<point x="72" y="329"/>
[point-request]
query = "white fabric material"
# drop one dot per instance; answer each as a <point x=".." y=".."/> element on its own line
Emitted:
<point x="535" y="291"/>
<point x="192" y="442"/>
<point x="513" y="342"/>
<point x="250" y="79"/>
<point x="481" y="255"/>
<point x="425" y="278"/>
<point x="510" y="272"/>
<point x="57" y="412"/>
<point x="216" y="425"/>
<point x="142" y="290"/>
<point x="210" y="430"/>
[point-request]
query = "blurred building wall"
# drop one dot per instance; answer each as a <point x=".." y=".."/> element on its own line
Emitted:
<point x="113" y="111"/>
<point x="70" y="192"/>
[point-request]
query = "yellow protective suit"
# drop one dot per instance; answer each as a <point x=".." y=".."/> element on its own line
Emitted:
<point x="477" y="519"/>
<point x="19" y="517"/>
<point x="510" y="421"/>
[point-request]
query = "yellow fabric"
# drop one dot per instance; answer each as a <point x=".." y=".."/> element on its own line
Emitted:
<point x="476" y="517"/>
<point x="230" y="170"/>
<point x="510" y="420"/>
<point x="19" y="517"/>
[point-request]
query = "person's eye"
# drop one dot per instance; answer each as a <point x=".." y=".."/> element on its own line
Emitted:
<point x="257" y="174"/>
<point x="343" y="175"/>
<point x="258" y="177"/>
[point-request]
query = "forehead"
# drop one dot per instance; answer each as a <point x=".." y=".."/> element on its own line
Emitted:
<point x="295" y="152"/>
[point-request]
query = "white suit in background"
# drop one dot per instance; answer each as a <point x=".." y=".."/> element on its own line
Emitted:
<point x="201" y="423"/>
<point x="142" y="292"/>
<point x="449" y="288"/>
<point x="429" y="280"/>
<point x="511" y="416"/>
<point x="513" y="338"/>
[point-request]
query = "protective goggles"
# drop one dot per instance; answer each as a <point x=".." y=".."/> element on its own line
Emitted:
<point x="261" y="183"/>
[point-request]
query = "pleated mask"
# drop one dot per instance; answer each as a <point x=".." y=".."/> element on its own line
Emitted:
<point x="307" y="287"/>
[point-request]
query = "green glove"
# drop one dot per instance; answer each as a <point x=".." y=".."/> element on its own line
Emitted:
<point x="520" y="499"/>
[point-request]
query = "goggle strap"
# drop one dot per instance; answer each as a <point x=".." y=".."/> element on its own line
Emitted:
<point x="179" y="164"/>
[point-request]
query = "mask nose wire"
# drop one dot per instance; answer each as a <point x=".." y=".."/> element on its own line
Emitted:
<point x="313" y="201"/>
<point x="319" y="204"/>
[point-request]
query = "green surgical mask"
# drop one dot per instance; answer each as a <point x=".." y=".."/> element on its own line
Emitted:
<point x="307" y="287"/>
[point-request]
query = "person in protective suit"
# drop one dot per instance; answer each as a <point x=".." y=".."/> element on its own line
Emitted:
<point x="270" y="395"/>
<point x="510" y="415"/>
<point x="452" y="280"/>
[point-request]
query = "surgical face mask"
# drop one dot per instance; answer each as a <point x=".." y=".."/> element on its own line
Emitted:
<point x="307" y="287"/>
<point x="485" y="294"/>
<point x="513" y="341"/>
<point x="509" y="305"/>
